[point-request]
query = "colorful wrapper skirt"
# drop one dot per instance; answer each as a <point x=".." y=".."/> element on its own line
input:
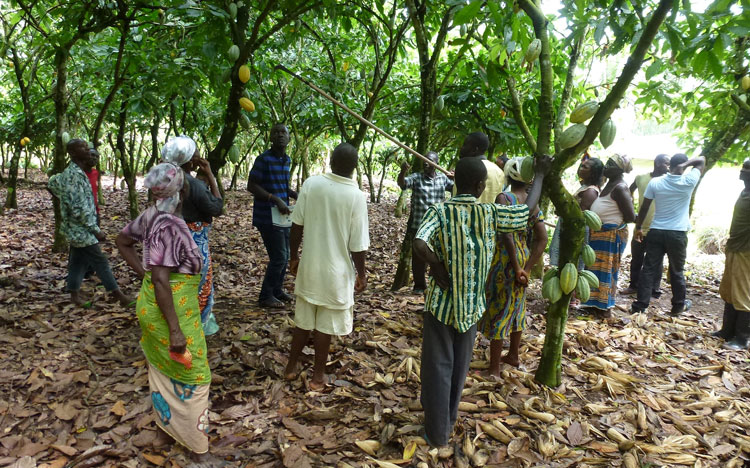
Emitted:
<point x="179" y="395"/>
<point x="506" y="299"/>
<point x="609" y="244"/>
<point x="200" y="231"/>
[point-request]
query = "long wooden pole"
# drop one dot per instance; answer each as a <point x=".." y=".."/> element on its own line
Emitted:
<point x="363" y="120"/>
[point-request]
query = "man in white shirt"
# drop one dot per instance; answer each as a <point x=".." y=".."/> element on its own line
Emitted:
<point x="331" y="212"/>
<point x="668" y="234"/>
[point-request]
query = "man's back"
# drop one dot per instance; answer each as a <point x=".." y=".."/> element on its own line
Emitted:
<point x="494" y="184"/>
<point x="333" y="213"/>
<point x="671" y="194"/>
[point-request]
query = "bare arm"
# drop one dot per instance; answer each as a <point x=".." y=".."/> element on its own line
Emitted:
<point x="632" y="188"/>
<point x="165" y="301"/>
<point x="437" y="269"/>
<point x="206" y="169"/>
<point x="641" y="217"/>
<point x="261" y="194"/>
<point x="625" y="202"/>
<point x="537" y="247"/>
<point x="510" y="247"/>
<point x="541" y="168"/>
<point x="295" y="239"/>
<point x="126" y="246"/>
<point x="587" y="198"/>
<point x="359" y="264"/>
<point x="698" y="163"/>
<point x="402" y="175"/>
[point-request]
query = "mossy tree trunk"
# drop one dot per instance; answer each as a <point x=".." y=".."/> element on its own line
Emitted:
<point x="549" y="370"/>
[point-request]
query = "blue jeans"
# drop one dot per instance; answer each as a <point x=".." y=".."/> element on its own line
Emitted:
<point x="276" y="240"/>
<point x="83" y="258"/>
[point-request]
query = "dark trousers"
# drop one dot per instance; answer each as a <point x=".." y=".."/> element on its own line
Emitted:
<point x="658" y="243"/>
<point x="638" y="252"/>
<point x="83" y="258"/>
<point x="446" y="355"/>
<point x="276" y="240"/>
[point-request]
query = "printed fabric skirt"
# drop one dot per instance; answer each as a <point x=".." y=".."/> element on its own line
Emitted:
<point x="506" y="299"/>
<point x="179" y="393"/>
<point x="608" y="244"/>
<point x="200" y="231"/>
<point x="735" y="284"/>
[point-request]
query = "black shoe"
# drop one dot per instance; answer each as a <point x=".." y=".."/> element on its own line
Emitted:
<point x="629" y="291"/>
<point x="419" y="291"/>
<point x="636" y="310"/>
<point x="656" y="293"/>
<point x="680" y="309"/>
<point x="727" y="323"/>
<point x="284" y="296"/>
<point x="742" y="332"/>
<point x="272" y="303"/>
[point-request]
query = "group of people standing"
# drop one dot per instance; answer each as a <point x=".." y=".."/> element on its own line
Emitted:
<point x="175" y="301"/>
<point x="480" y="245"/>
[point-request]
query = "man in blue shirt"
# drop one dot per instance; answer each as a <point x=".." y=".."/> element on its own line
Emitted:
<point x="269" y="182"/>
<point x="668" y="234"/>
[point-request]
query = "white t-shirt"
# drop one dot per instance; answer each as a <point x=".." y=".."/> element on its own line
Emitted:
<point x="333" y="212"/>
<point x="671" y="195"/>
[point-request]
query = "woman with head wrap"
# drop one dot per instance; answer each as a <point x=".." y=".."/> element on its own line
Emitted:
<point x="505" y="315"/>
<point x="167" y="309"/>
<point x="590" y="174"/>
<point x="615" y="208"/>
<point x="198" y="211"/>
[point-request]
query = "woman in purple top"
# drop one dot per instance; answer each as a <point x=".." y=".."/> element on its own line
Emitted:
<point x="168" y="310"/>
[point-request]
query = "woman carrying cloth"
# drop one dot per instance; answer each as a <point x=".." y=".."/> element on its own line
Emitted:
<point x="615" y="208"/>
<point x="199" y="208"/>
<point x="167" y="309"/>
<point x="505" y="315"/>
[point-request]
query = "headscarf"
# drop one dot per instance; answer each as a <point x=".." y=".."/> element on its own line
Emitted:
<point x="513" y="169"/>
<point x="623" y="162"/>
<point x="165" y="181"/>
<point x="178" y="150"/>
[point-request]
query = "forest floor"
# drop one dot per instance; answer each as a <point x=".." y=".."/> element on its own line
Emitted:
<point x="74" y="389"/>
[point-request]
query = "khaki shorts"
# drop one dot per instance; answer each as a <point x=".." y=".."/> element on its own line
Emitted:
<point x="309" y="316"/>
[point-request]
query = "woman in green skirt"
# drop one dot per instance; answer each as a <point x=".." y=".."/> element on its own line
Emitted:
<point x="168" y="310"/>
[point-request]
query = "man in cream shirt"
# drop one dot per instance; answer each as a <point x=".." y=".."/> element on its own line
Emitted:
<point x="331" y="213"/>
<point x="475" y="146"/>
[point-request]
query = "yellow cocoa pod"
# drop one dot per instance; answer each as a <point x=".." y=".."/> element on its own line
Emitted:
<point x="745" y="82"/>
<point x="244" y="73"/>
<point x="247" y="104"/>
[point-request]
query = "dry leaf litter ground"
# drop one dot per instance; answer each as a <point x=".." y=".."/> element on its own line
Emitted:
<point x="645" y="390"/>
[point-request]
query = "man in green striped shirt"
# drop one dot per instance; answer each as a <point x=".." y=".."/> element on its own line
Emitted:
<point x="457" y="239"/>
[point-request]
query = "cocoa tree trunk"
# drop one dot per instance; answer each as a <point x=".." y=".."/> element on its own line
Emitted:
<point x="11" y="198"/>
<point x="549" y="370"/>
<point x="127" y="167"/>
<point x="60" y="98"/>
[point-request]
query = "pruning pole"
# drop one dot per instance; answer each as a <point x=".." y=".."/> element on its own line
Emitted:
<point x="362" y="119"/>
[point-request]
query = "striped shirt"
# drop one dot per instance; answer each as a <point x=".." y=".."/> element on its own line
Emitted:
<point x="462" y="234"/>
<point x="271" y="173"/>
<point x="425" y="192"/>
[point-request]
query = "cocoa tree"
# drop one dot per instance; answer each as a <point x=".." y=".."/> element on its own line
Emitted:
<point x="549" y="370"/>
